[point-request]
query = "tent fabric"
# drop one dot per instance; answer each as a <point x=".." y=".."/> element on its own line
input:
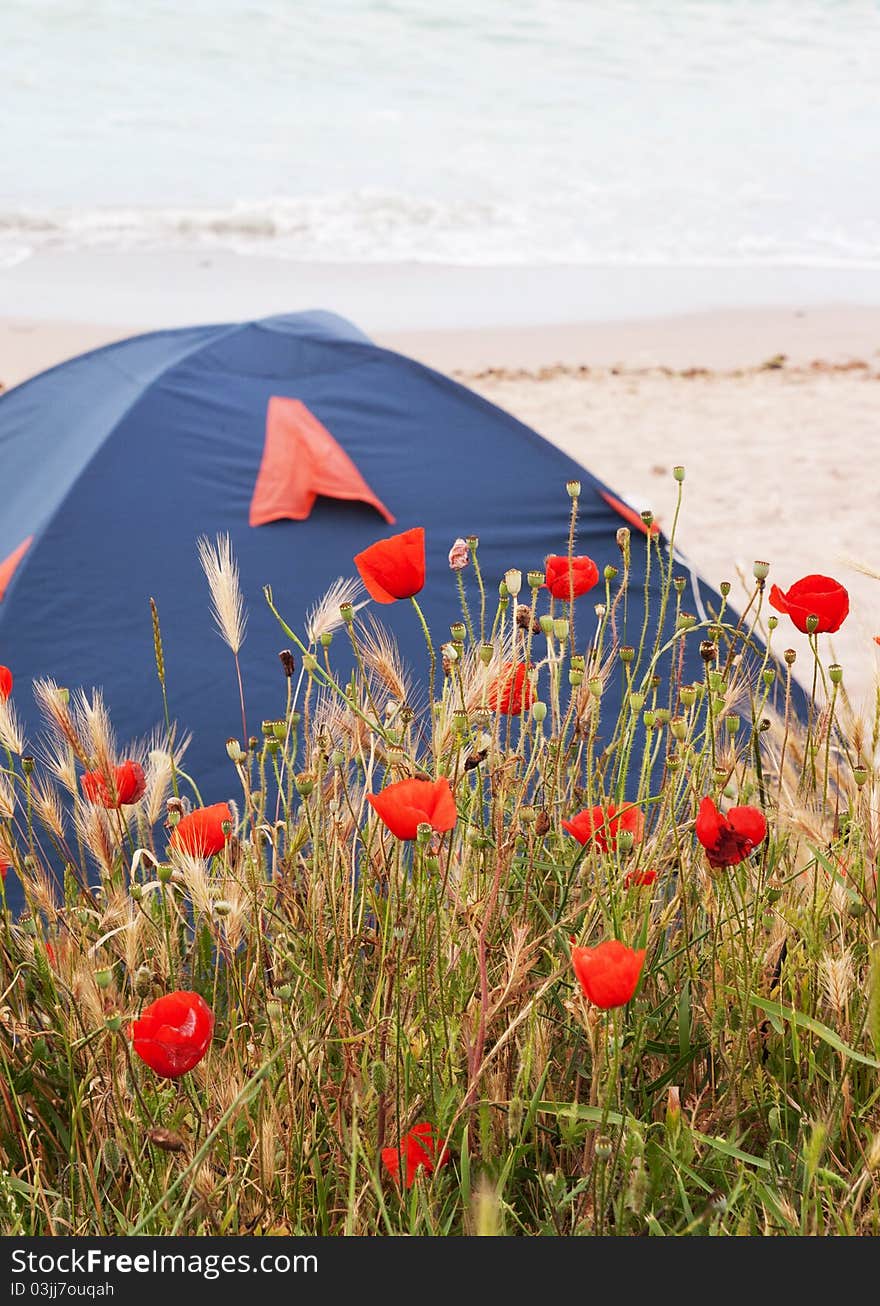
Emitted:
<point x="115" y="463"/>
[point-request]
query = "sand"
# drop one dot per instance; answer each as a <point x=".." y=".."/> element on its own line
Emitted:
<point x="773" y="412"/>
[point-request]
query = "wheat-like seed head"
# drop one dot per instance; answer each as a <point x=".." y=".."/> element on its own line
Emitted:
<point x="838" y="978"/>
<point x="324" y="617"/>
<point x="11" y="732"/>
<point x="47" y="802"/>
<point x="7" y="798"/>
<point x="227" y="603"/>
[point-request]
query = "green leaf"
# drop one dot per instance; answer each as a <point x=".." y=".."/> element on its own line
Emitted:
<point x="728" y="1149"/>
<point x="797" y="1019"/>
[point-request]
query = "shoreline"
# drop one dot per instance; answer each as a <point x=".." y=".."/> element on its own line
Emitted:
<point x="727" y="341"/>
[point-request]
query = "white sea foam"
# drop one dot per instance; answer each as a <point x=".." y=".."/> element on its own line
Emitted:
<point x="646" y="132"/>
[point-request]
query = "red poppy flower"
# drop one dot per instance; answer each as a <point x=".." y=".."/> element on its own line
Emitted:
<point x="603" y="824"/>
<point x="609" y="973"/>
<point x="642" y="879"/>
<point x="419" y="1151"/>
<point x="729" y="839"/>
<point x="511" y="692"/>
<point x="201" y="833"/>
<point x="814" y="596"/>
<point x="564" y="581"/>
<point x="407" y="804"/>
<point x="394" y="568"/>
<point x="5" y="682"/>
<point x="173" y="1033"/>
<point x="129" y="786"/>
<point x="4" y="867"/>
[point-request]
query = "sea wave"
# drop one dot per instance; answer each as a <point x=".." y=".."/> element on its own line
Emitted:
<point x="377" y="226"/>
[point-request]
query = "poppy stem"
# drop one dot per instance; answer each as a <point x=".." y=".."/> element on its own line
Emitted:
<point x="426" y="632"/>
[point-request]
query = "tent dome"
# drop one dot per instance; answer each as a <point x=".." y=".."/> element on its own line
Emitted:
<point x="115" y="463"/>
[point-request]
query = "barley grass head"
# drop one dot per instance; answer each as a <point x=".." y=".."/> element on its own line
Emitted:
<point x="325" y="617"/>
<point x="227" y="603"/>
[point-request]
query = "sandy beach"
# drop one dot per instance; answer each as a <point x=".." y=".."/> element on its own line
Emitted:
<point x="774" y="413"/>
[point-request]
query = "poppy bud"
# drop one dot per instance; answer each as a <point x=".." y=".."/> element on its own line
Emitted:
<point x="459" y="555"/>
<point x="235" y="751"/>
<point x="287" y="663"/>
<point x="574" y="489"/>
<point x="761" y="570"/>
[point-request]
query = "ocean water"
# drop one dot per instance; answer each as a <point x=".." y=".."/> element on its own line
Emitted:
<point x="625" y="133"/>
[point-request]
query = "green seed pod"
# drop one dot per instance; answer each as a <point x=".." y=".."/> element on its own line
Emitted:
<point x="164" y="873"/>
<point x="104" y="978"/>
<point x="539" y="711"/>
<point x="142" y="982"/>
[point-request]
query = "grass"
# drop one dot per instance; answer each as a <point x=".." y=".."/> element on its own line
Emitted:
<point x="361" y="984"/>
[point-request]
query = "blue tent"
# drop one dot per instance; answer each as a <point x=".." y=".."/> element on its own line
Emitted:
<point x="114" y="463"/>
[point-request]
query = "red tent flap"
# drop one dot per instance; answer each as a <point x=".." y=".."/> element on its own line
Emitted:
<point x="8" y="565"/>
<point x="301" y="460"/>
<point x="629" y="514"/>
